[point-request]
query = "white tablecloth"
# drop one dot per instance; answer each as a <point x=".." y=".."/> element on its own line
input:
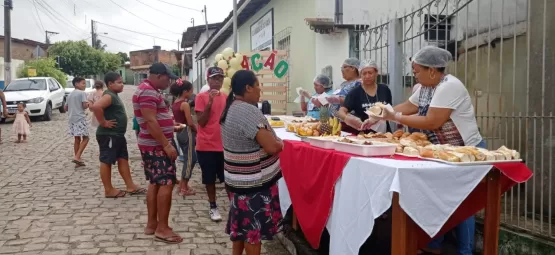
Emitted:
<point x="429" y="192"/>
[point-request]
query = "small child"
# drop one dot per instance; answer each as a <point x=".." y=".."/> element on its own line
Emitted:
<point x="21" y="124"/>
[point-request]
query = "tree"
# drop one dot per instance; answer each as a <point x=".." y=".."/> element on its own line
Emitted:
<point x="77" y="58"/>
<point x="99" y="45"/>
<point x="124" y="57"/>
<point x="45" y="67"/>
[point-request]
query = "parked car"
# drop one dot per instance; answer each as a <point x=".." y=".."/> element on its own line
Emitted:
<point x="88" y="89"/>
<point x="40" y="94"/>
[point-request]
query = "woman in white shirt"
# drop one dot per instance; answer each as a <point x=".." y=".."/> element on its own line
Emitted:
<point x="442" y="108"/>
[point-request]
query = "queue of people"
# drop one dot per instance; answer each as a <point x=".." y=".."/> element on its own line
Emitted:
<point x="234" y="144"/>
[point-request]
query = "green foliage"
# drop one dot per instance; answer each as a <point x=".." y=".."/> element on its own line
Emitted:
<point x="99" y="45"/>
<point x="176" y="70"/>
<point x="124" y="57"/>
<point x="46" y="67"/>
<point x="77" y="58"/>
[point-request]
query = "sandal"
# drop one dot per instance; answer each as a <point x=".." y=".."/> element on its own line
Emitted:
<point x="121" y="193"/>
<point x="78" y="163"/>
<point x="139" y="191"/>
<point x="175" y="239"/>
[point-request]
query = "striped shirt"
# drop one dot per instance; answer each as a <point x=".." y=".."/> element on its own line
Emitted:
<point x="248" y="168"/>
<point x="147" y="97"/>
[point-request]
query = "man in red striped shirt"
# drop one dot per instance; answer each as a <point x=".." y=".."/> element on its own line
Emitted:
<point x="158" y="153"/>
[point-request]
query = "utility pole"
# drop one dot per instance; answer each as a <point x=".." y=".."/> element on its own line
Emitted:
<point x="7" y="41"/>
<point x="48" y="33"/>
<point x="235" y="25"/>
<point x="93" y="34"/>
<point x="156" y="52"/>
<point x="206" y="21"/>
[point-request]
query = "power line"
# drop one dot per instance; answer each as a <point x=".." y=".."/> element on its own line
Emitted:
<point x="181" y="6"/>
<point x="132" y="31"/>
<point x="56" y="19"/>
<point x="149" y="6"/>
<point x="37" y="11"/>
<point x="117" y="40"/>
<point x="64" y="21"/>
<point x="140" y="17"/>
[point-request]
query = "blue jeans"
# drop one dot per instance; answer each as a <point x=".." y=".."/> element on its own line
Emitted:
<point x="464" y="231"/>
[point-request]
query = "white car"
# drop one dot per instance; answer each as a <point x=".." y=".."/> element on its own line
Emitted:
<point x="88" y="89"/>
<point x="40" y="94"/>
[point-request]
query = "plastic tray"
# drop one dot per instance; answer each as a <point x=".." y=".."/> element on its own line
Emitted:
<point x="322" y="142"/>
<point x="376" y="149"/>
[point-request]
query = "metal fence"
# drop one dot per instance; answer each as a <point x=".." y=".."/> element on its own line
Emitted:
<point x="504" y="63"/>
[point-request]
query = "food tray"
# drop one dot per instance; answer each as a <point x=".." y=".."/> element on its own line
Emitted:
<point x="322" y="142"/>
<point x="376" y="149"/>
<point x="474" y="163"/>
<point x="407" y="155"/>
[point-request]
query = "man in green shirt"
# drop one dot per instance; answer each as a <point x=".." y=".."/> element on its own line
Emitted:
<point x="112" y="118"/>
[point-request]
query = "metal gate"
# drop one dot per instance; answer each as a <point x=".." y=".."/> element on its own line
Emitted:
<point x="504" y="63"/>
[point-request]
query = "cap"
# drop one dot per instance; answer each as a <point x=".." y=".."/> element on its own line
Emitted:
<point x="214" y="71"/>
<point x="161" y="68"/>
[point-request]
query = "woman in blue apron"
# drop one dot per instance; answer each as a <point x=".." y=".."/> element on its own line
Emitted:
<point x="443" y="110"/>
<point x="311" y="104"/>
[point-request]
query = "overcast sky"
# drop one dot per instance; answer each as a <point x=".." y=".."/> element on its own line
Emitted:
<point x="161" y="20"/>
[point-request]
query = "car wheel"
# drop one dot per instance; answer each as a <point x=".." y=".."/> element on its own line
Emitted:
<point x="62" y="108"/>
<point x="47" y="113"/>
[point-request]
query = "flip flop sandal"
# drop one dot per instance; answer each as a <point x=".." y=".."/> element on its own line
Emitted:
<point x="175" y="239"/>
<point x="152" y="233"/>
<point x="139" y="191"/>
<point x="78" y="163"/>
<point x="189" y="192"/>
<point x="121" y="193"/>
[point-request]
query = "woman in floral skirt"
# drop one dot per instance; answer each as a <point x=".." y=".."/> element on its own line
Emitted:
<point x="251" y="156"/>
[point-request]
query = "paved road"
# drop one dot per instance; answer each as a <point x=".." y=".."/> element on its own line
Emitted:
<point x="48" y="207"/>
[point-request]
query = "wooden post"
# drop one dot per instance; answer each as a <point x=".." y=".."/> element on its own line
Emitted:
<point x="403" y="232"/>
<point x="493" y="210"/>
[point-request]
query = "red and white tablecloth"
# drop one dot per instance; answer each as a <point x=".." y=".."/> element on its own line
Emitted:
<point x="345" y="193"/>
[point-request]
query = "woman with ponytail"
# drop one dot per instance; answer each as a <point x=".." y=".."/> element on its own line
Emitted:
<point x="251" y="164"/>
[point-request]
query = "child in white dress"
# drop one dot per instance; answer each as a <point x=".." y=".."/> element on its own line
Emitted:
<point x="21" y="124"/>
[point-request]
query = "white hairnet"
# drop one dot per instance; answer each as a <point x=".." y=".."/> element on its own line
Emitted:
<point x="368" y="64"/>
<point x="432" y="56"/>
<point x="323" y="80"/>
<point x="354" y="62"/>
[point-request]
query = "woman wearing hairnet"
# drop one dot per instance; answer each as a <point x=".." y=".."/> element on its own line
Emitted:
<point x="353" y="110"/>
<point x="350" y="73"/>
<point x="444" y="112"/>
<point x="322" y="84"/>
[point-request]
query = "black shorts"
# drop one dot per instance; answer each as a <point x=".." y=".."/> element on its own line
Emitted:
<point x="211" y="165"/>
<point x="112" y="148"/>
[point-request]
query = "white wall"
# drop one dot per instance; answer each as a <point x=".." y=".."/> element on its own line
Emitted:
<point x="16" y="64"/>
<point x="211" y="58"/>
<point x="195" y="49"/>
<point x="332" y="50"/>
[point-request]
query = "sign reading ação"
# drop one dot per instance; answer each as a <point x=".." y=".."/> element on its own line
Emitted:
<point x="279" y="70"/>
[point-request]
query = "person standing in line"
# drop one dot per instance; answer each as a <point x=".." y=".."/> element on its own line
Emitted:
<point x="158" y="153"/>
<point x="186" y="138"/>
<point x="22" y="123"/>
<point x="76" y="105"/>
<point x="94" y="97"/>
<point x="4" y="110"/>
<point x="109" y="112"/>
<point x="209" y="107"/>
<point x="252" y="167"/>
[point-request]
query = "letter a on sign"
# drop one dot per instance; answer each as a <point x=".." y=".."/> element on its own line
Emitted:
<point x="245" y="63"/>
<point x="270" y="61"/>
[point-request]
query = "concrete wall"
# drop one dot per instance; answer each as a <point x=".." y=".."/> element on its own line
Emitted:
<point x="195" y="50"/>
<point x="302" y="59"/>
<point x="146" y="57"/>
<point x="20" y="51"/>
<point x="16" y="65"/>
<point x="338" y="43"/>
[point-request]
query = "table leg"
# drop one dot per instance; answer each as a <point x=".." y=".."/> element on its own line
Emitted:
<point x="403" y="231"/>
<point x="493" y="211"/>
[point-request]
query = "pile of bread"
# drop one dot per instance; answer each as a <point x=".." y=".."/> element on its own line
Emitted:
<point x="414" y="145"/>
<point x="417" y="144"/>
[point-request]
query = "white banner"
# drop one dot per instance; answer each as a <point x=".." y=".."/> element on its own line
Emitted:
<point x="262" y="33"/>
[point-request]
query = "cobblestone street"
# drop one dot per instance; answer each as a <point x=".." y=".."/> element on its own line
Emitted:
<point x="49" y="207"/>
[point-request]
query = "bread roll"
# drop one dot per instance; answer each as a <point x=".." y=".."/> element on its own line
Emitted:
<point x="514" y="153"/>
<point x="398" y="134"/>
<point x="498" y="155"/>
<point x="506" y="154"/>
<point x="408" y="142"/>
<point x="411" y="151"/>
<point x="418" y="136"/>
<point x="448" y="157"/>
<point x="489" y="156"/>
<point x="427" y="153"/>
<point x="399" y="148"/>
<point x="375" y="110"/>
<point x="463" y="157"/>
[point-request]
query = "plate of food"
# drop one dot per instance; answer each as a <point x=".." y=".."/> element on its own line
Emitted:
<point x="468" y="155"/>
<point x="366" y="148"/>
